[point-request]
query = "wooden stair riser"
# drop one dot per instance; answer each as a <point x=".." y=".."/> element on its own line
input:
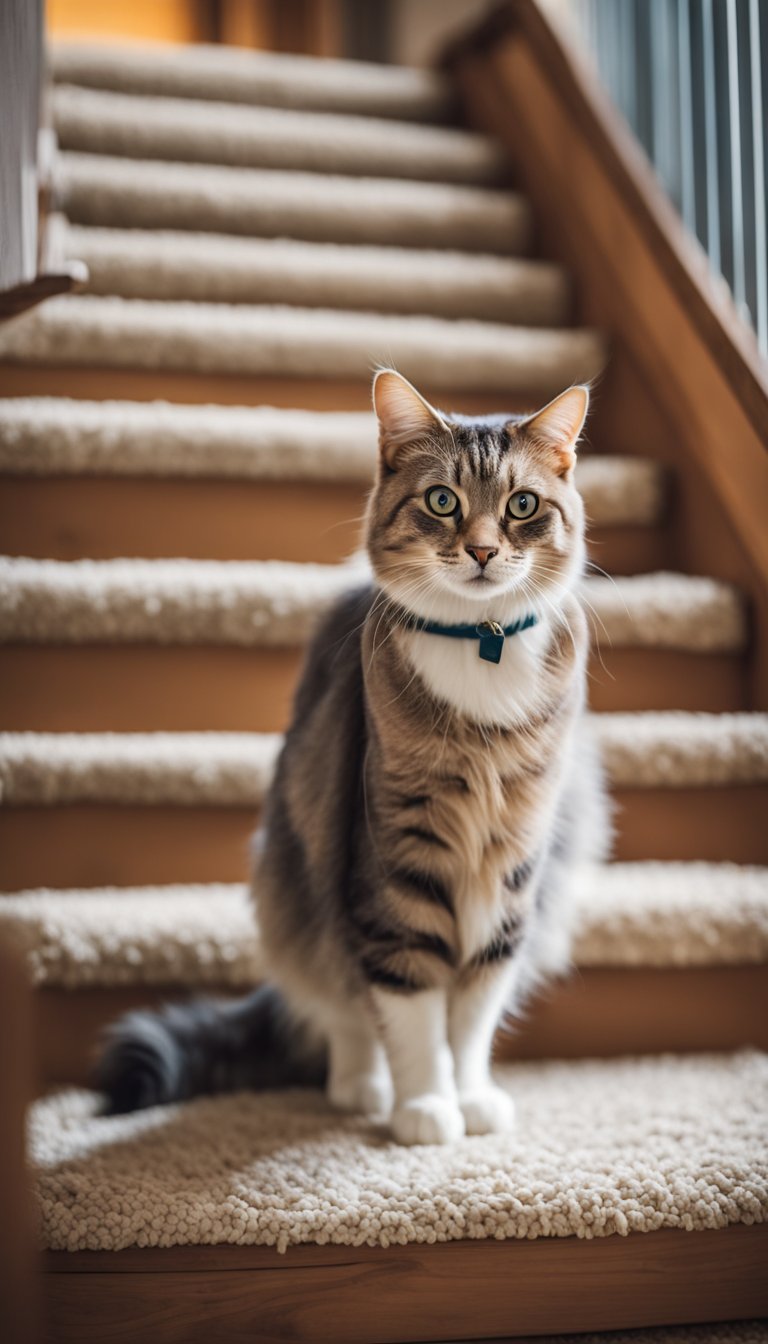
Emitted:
<point x="92" y="517"/>
<point x="361" y="1295"/>
<point x="91" y="844"/>
<point x="234" y="389"/>
<point x="140" y="688"/>
<point x="597" y="1012"/>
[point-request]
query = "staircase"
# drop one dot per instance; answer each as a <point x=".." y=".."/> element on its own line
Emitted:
<point x="185" y="450"/>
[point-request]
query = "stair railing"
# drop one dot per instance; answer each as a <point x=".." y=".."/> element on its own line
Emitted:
<point x="691" y="79"/>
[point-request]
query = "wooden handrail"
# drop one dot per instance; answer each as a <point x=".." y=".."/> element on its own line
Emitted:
<point x="678" y="253"/>
<point x="685" y="382"/>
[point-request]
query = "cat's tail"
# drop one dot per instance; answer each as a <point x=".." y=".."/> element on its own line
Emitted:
<point x="204" y="1046"/>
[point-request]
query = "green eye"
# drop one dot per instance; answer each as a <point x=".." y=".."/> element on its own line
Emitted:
<point x="442" y="501"/>
<point x="523" y="504"/>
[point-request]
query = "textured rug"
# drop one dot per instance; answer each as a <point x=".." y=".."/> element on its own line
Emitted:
<point x="600" y="1148"/>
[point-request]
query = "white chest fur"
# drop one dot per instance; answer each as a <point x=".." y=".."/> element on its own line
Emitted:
<point x="504" y="694"/>
<point x="492" y="693"/>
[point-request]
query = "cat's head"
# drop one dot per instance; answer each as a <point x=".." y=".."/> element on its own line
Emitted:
<point x="475" y="518"/>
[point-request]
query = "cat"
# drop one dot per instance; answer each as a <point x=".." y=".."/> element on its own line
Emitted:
<point x="436" y="794"/>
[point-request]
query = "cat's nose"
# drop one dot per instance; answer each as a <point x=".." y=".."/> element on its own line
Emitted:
<point x="482" y="554"/>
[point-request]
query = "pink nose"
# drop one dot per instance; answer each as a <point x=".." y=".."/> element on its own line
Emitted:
<point x="482" y="554"/>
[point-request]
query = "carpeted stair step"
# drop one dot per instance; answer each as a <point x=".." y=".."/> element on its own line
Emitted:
<point x="258" y="78"/>
<point x="215" y="644"/>
<point x="277" y="603"/>
<point x="105" y="190"/>
<point x="210" y="267"/>
<point x="661" y="915"/>
<point x="105" y="479"/>
<point x="333" y="1181"/>
<point x="129" y="809"/>
<point x="662" y="1118"/>
<point x="668" y="957"/>
<point x="299" y="342"/>
<point x="641" y="751"/>
<point x="42" y="436"/>
<point x="188" y="130"/>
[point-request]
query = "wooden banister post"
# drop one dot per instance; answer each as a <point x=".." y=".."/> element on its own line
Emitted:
<point x="19" y="1282"/>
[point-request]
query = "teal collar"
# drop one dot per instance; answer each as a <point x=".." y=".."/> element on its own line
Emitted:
<point x="489" y="634"/>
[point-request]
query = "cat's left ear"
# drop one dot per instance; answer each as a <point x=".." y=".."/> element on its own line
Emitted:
<point x="404" y="415"/>
<point x="558" y="426"/>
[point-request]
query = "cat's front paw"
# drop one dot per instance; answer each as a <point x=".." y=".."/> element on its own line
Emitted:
<point x="427" y="1119"/>
<point x="487" y="1110"/>
<point x="369" y="1093"/>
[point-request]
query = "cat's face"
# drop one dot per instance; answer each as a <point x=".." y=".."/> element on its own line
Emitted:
<point x="475" y="519"/>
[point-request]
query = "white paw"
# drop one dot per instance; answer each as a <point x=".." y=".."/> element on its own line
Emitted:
<point x="370" y="1093"/>
<point x="427" y="1119"/>
<point x="488" y="1110"/>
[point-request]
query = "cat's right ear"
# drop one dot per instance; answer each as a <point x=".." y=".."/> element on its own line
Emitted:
<point x="402" y="412"/>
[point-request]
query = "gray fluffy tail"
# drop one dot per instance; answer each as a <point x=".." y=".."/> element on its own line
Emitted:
<point x="187" y="1049"/>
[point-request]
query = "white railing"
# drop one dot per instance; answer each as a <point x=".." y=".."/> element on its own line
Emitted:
<point x="691" y="78"/>
<point x="21" y="46"/>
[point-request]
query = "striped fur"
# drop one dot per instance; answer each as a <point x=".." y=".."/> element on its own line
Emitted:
<point x="441" y="802"/>
<point x="429" y="810"/>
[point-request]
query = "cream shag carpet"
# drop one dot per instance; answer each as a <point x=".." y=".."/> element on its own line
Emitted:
<point x="58" y="435"/>
<point x="238" y="75"/>
<point x="301" y="343"/>
<point x="52" y="435"/>
<point x="277" y="603"/>
<point x="670" y="749"/>
<point x="187" y="130"/>
<point x="601" y="1147"/>
<point x="97" y="189"/>
<point x="215" y="267"/>
<point x="626" y="914"/>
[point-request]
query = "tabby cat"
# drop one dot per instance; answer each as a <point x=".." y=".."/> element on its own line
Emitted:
<point x="435" y="796"/>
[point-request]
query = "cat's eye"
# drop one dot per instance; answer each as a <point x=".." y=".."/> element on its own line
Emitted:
<point x="442" y="501"/>
<point x="523" y="504"/>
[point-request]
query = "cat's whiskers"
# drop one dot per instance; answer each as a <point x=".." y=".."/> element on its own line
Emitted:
<point x="597" y="620"/>
<point x="539" y="595"/>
